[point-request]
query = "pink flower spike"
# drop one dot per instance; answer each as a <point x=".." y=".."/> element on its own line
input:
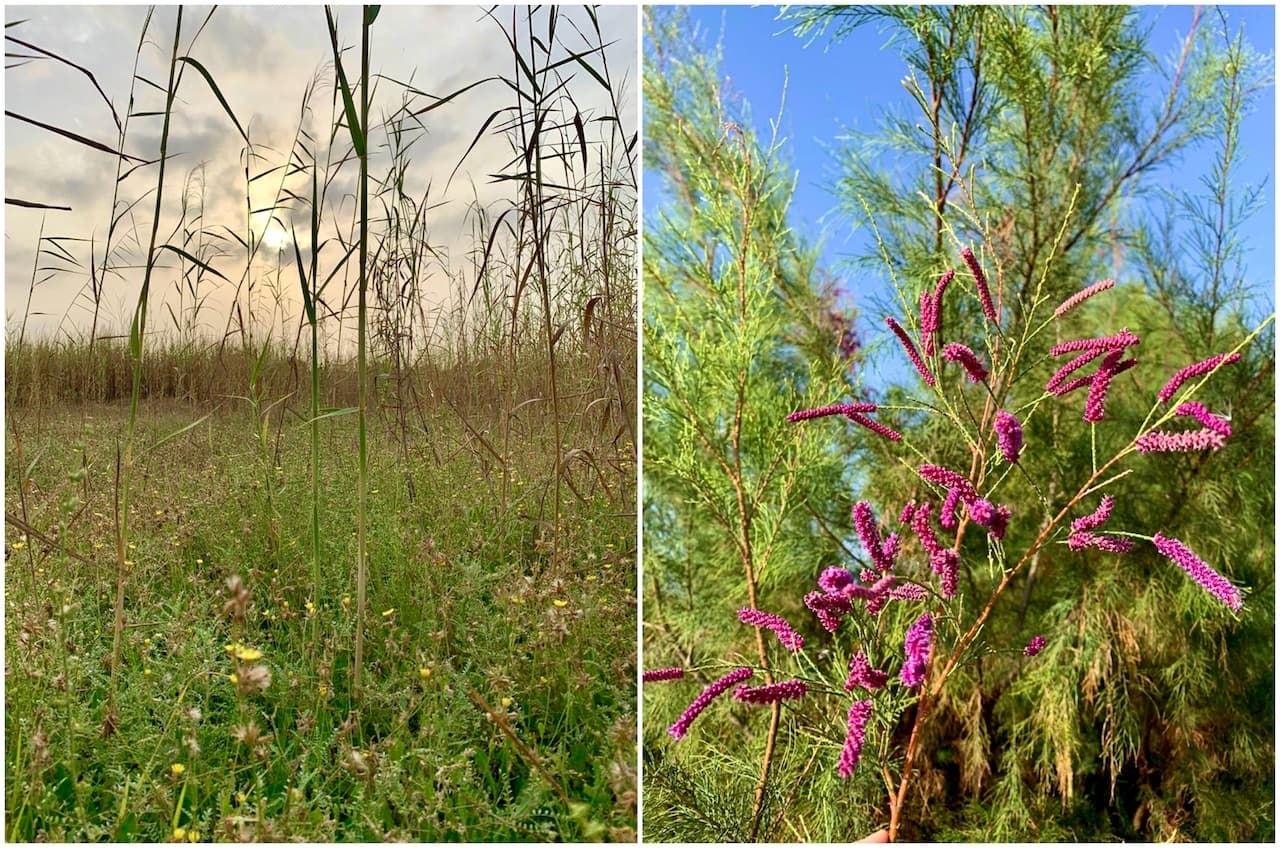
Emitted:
<point x="1060" y="376"/>
<point x="835" y="580"/>
<point x="863" y="676"/>
<point x="1119" y="341"/>
<point x="957" y="352"/>
<point x="980" y="281"/>
<point x="1196" y="568"/>
<point x="1207" y="419"/>
<point x="1195" y="370"/>
<point x="787" y="690"/>
<point x="947" y="518"/>
<point x="656" y="675"/>
<point x="912" y="353"/>
<point x="949" y="479"/>
<point x="700" y="703"/>
<point x="1097" y="518"/>
<point x="875" y="427"/>
<point x="928" y="323"/>
<point x="1111" y="544"/>
<point x="855" y="738"/>
<point x="908" y="510"/>
<point x="864" y="521"/>
<point x="916" y="647"/>
<point x="1191" y="442"/>
<point x="939" y="290"/>
<point x="1008" y="436"/>
<point x="833" y="409"/>
<point x="790" y="639"/>
<point x="1035" y="646"/>
<point x="1081" y="296"/>
<point x="1094" y="406"/>
<point x="828" y="608"/>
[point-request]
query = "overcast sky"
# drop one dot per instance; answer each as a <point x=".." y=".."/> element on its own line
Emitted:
<point x="263" y="59"/>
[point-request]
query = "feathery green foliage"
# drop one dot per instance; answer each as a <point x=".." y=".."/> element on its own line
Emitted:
<point x="1036" y="132"/>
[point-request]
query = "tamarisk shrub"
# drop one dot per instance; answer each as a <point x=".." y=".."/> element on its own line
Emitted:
<point x="897" y="629"/>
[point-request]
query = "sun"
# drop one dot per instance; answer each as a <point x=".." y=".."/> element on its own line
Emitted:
<point x="275" y="238"/>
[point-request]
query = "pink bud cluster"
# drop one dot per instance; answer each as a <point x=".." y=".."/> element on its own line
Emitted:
<point x="655" y="675"/>
<point x="967" y="359"/>
<point x="1195" y="370"/>
<point x="1212" y="435"/>
<point x="1081" y="296"/>
<point x="863" y="675"/>
<point x="855" y="412"/>
<point x="1199" y="571"/>
<point x="1082" y="537"/>
<point x="787" y="690"/>
<point x="912" y="352"/>
<point x="855" y="738"/>
<point x="1111" y="349"/>
<point x="980" y="281"/>
<point x="709" y="694"/>
<point x="790" y="639"/>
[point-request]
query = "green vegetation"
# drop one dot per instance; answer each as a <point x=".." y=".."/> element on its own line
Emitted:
<point x="1148" y="714"/>
<point x="357" y="567"/>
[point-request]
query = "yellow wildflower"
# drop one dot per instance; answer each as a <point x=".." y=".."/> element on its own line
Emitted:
<point x="506" y="702"/>
<point x="247" y="654"/>
<point x="177" y="769"/>
<point x="388" y="612"/>
<point x="424" y="673"/>
<point x="193" y="836"/>
<point x="234" y="678"/>
<point x="179" y="834"/>
<point x="559" y="603"/>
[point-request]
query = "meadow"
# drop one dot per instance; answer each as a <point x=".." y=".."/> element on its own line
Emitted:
<point x="316" y="554"/>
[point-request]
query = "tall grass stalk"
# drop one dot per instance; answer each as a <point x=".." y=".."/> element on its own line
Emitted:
<point x="137" y="337"/>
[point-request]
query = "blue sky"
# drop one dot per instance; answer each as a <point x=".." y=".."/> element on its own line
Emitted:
<point x="830" y="91"/>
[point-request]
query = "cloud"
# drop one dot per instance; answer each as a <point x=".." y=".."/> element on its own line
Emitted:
<point x="263" y="59"/>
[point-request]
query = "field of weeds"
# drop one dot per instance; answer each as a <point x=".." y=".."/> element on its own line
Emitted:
<point x="330" y="536"/>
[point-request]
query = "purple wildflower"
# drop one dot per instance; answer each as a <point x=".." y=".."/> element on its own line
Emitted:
<point x="957" y="352"/>
<point x="1195" y="370"/>
<point x="1035" y="646"/>
<point x="1119" y="341"/>
<point x="658" y="674"/>
<point x="1207" y="419"/>
<point x="864" y="521"/>
<point x="1111" y="544"/>
<point x="1008" y="435"/>
<point x="908" y="510"/>
<point x="828" y="608"/>
<point x="700" y="703"/>
<point x="1097" y="518"/>
<point x="928" y="322"/>
<point x="875" y="426"/>
<point x="912" y="353"/>
<point x="1094" y="406"/>
<point x="890" y="548"/>
<point x="980" y="280"/>
<point x="1193" y="441"/>
<point x="938" y="290"/>
<point x="790" y="639"/>
<point x="994" y="518"/>
<point x="947" y="518"/>
<point x="1056" y="381"/>
<point x="859" y="715"/>
<point x="947" y="566"/>
<point x="1196" y="568"/>
<point x="920" y="524"/>
<point x="861" y="674"/>
<point x="908" y="592"/>
<point x="787" y="690"/>
<point x="1081" y="296"/>
<point x="833" y="580"/>
<point x="949" y="479"/>
<point x="833" y="409"/>
<point x="916" y="647"/>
